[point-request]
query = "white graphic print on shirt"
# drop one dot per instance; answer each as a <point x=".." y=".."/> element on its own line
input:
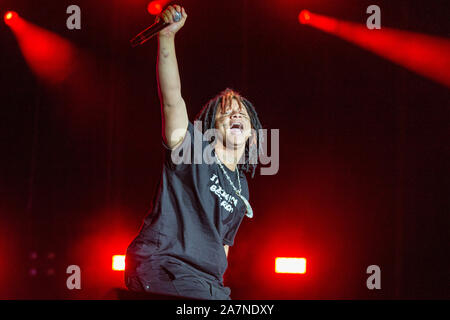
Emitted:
<point x="227" y="201"/>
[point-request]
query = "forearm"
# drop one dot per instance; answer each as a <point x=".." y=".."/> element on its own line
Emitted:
<point x="169" y="83"/>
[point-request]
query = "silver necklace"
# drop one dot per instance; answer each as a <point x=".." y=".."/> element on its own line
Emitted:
<point x="249" y="212"/>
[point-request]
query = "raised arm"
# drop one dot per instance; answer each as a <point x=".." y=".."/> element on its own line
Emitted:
<point x="173" y="108"/>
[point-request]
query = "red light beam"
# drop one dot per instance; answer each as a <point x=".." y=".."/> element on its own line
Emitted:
<point x="51" y="57"/>
<point x="426" y="55"/>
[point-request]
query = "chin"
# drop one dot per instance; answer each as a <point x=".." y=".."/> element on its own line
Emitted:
<point x="236" y="141"/>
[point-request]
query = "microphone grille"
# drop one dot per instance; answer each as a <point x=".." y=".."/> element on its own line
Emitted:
<point x="177" y="16"/>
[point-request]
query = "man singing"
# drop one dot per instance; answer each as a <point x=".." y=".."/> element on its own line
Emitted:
<point x="182" y="247"/>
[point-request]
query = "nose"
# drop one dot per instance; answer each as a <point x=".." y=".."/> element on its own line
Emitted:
<point x="236" y="115"/>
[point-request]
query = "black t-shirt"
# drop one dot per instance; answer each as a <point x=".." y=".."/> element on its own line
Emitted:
<point x="195" y="213"/>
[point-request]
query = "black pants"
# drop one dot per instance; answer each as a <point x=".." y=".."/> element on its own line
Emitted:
<point x="164" y="282"/>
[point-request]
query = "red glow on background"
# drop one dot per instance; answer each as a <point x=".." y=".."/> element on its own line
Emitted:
<point x="95" y="250"/>
<point x="290" y="265"/>
<point x="155" y="7"/>
<point x="426" y="55"/>
<point x="48" y="55"/>
<point x="118" y="262"/>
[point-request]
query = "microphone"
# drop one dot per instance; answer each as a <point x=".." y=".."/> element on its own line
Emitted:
<point x="152" y="30"/>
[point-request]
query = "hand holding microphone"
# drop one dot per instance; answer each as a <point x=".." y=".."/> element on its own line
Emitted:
<point x="167" y="24"/>
<point x="170" y="15"/>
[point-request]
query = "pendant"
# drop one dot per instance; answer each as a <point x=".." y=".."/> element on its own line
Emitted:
<point x="249" y="212"/>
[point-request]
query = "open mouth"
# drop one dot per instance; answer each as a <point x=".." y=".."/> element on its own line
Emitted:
<point x="236" y="128"/>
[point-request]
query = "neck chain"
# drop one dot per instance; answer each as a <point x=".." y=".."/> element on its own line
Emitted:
<point x="249" y="212"/>
<point x="226" y="175"/>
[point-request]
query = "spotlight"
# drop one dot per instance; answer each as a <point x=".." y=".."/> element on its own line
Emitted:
<point x="154" y="8"/>
<point x="118" y="262"/>
<point x="304" y="17"/>
<point x="9" y="17"/>
<point x="290" y="265"/>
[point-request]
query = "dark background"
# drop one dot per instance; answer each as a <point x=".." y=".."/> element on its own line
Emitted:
<point x="363" y="175"/>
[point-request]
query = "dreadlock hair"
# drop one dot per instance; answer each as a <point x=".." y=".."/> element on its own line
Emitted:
<point x="223" y="100"/>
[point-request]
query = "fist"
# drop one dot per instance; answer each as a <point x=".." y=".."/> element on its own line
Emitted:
<point x="168" y="16"/>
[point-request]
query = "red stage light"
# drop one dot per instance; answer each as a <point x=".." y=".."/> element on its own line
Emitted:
<point x="50" y="56"/>
<point x="304" y="16"/>
<point x="290" y="265"/>
<point x="154" y="7"/>
<point x="118" y="262"/>
<point x="10" y="16"/>
<point x="426" y="55"/>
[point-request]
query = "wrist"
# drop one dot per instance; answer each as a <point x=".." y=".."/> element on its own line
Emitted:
<point x="165" y="37"/>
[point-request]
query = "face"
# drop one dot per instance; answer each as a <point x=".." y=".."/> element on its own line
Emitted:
<point x="233" y="123"/>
